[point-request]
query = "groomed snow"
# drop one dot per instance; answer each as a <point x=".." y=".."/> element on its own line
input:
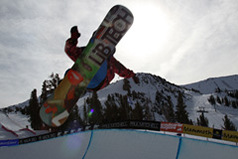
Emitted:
<point x="118" y="144"/>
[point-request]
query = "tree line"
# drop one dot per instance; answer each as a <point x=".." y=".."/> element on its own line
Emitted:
<point x="117" y="107"/>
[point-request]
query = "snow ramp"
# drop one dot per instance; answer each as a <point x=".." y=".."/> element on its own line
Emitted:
<point x="118" y="144"/>
<point x="6" y="132"/>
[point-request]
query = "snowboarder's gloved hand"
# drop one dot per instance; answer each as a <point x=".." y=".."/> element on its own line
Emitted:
<point x="74" y="33"/>
<point x="136" y="79"/>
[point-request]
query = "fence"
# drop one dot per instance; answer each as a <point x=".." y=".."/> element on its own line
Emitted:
<point x="149" y="125"/>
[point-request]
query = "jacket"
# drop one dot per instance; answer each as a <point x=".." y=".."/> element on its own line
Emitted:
<point x="112" y="66"/>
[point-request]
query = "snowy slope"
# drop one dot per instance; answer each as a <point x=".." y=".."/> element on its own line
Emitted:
<point x="6" y="120"/>
<point x="215" y="114"/>
<point x="148" y="87"/>
<point x="130" y="144"/>
<point x="13" y="125"/>
<point x="211" y="84"/>
<point x="150" y="84"/>
<point x="118" y="144"/>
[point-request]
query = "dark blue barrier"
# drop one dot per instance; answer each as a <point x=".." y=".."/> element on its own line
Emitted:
<point x="9" y="142"/>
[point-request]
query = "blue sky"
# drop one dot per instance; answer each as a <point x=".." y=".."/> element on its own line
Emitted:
<point x="182" y="41"/>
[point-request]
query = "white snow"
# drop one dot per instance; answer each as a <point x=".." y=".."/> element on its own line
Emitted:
<point x="208" y="86"/>
<point x="150" y="84"/>
<point x="118" y="144"/>
<point x="129" y="143"/>
<point x="16" y="124"/>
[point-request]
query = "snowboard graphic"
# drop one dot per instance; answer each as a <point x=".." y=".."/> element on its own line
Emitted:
<point x="55" y="111"/>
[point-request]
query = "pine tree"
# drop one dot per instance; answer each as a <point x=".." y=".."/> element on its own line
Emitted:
<point x="148" y="113"/>
<point x="124" y="108"/>
<point x="212" y="100"/>
<point x="218" y="90"/>
<point x="127" y="86"/>
<point x="202" y="120"/>
<point x="137" y="113"/>
<point x="236" y="94"/>
<point x="111" y="112"/>
<point x="76" y="119"/>
<point x="218" y="100"/>
<point x="227" y="102"/>
<point x="49" y="86"/>
<point x="169" y="111"/>
<point x="44" y="93"/>
<point x="23" y="110"/>
<point x="181" y="114"/>
<point x="95" y="110"/>
<point x="158" y="97"/>
<point x="234" y="104"/>
<point x="33" y="111"/>
<point x="159" y="102"/>
<point x="228" y="125"/>
<point x="85" y="113"/>
<point x="54" y="82"/>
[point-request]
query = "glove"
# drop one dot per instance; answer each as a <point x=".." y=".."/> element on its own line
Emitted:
<point x="136" y="79"/>
<point x="74" y="33"/>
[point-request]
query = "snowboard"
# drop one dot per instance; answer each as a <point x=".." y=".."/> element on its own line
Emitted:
<point x="56" y="109"/>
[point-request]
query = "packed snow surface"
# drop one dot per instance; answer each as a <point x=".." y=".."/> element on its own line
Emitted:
<point x="118" y="144"/>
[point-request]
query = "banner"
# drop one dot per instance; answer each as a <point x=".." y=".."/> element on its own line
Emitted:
<point x="198" y="130"/>
<point x="230" y="135"/>
<point x="9" y="142"/>
<point x="172" y="127"/>
<point x="151" y="125"/>
<point x="217" y="134"/>
<point x="38" y="138"/>
<point x="122" y="124"/>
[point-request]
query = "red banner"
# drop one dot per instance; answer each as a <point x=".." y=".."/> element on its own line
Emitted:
<point x="172" y="127"/>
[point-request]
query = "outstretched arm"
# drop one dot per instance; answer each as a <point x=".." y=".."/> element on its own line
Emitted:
<point x="70" y="47"/>
<point x="121" y="70"/>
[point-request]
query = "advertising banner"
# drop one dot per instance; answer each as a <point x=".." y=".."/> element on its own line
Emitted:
<point x="217" y="134"/>
<point x="198" y="130"/>
<point x="9" y="142"/>
<point x="151" y="125"/>
<point x="122" y="124"/>
<point x="38" y="138"/>
<point x="171" y="127"/>
<point x="230" y="135"/>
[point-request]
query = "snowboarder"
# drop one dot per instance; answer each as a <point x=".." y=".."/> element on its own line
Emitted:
<point x="107" y="71"/>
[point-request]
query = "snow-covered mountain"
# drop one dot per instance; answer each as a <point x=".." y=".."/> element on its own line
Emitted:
<point x="154" y="92"/>
<point x="210" y="85"/>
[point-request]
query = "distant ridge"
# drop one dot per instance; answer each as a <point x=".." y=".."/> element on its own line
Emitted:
<point x="211" y="84"/>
